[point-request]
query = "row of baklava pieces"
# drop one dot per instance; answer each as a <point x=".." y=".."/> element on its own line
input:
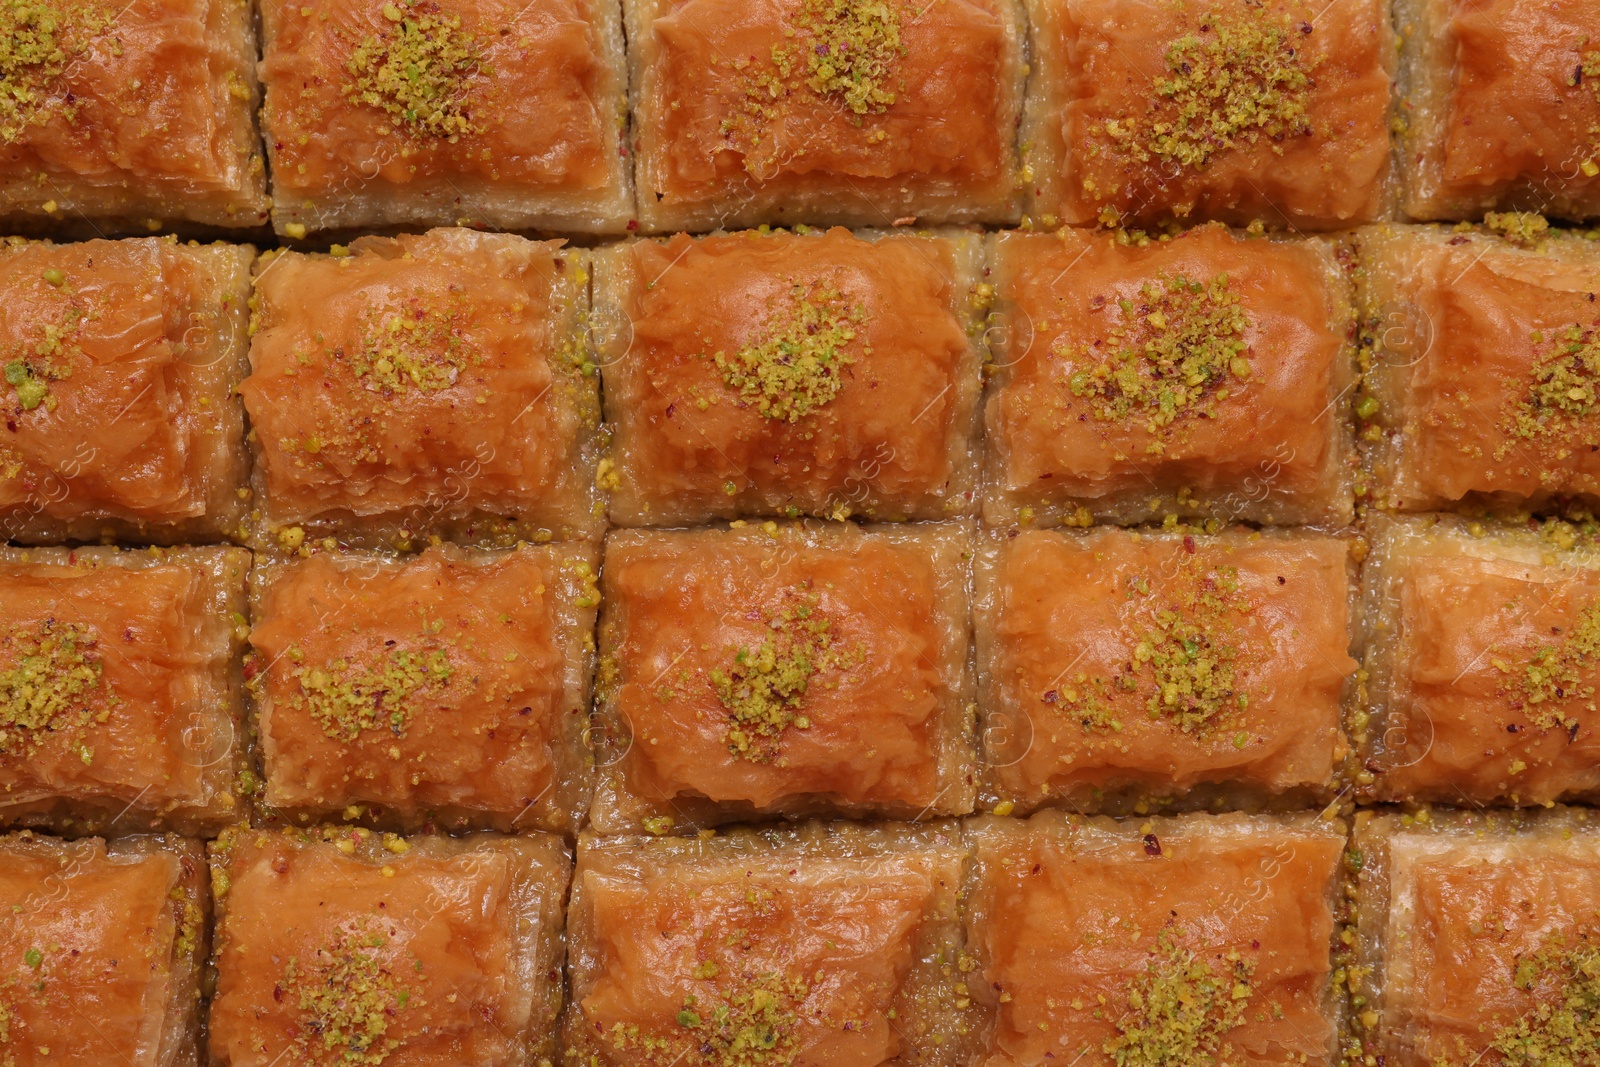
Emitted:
<point x="449" y="384"/>
<point x="1419" y="939"/>
<point x="806" y="112"/>
<point x="800" y="670"/>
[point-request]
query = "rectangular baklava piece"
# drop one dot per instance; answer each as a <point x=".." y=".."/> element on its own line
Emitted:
<point x="1477" y="937"/>
<point x="1486" y="363"/>
<point x="504" y="114"/>
<point x="447" y="690"/>
<point x="1483" y="653"/>
<point x="1154" y="111"/>
<point x="120" y="688"/>
<point x="1208" y="374"/>
<point x="783" y="671"/>
<point x="101" y="951"/>
<point x="1123" y="671"/>
<point x="1203" y="939"/>
<point x="130" y="116"/>
<point x="828" y="944"/>
<point x="423" y="385"/>
<point x="120" y="362"/>
<point x="1500" y="102"/>
<point x="340" y="946"/>
<point x="849" y="112"/>
<point x="790" y="374"/>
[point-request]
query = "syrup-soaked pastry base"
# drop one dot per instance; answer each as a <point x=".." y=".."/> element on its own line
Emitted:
<point x="793" y="671"/>
<point x="448" y="690"/>
<point x="102" y="948"/>
<point x="123" y="701"/>
<point x="830" y="945"/>
<point x="544" y="102"/>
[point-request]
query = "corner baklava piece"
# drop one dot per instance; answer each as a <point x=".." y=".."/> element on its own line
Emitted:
<point x="339" y="946"/>
<point x="1484" y="377"/>
<point x="1478" y="938"/>
<point x="445" y="690"/>
<point x="1500" y="107"/>
<point x="783" y="671"/>
<point x="128" y="116"/>
<point x="1121" y="669"/>
<point x="854" y="112"/>
<point x="1483" y="655"/>
<point x="1204" y="939"/>
<point x="1235" y="110"/>
<point x="120" y="695"/>
<point x="1203" y="375"/>
<point x="506" y="114"/>
<point x="790" y="374"/>
<point x="832" y="944"/>
<point x="101" y="951"/>
<point x="433" y="384"/>
<point x="120" y="361"/>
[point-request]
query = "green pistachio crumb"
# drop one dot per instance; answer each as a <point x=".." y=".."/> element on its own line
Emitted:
<point x="1518" y="227"/>
<point x="38" y="40"/>
<point x="1562" y="385"/>
<point x="349" y="999"/>
<point x="418" y="71"/>
<point x="852" y="51"/>
<point x="749" y="1025"/>
<point x="1181" y="1010"/>
<point x="54" y="682"/>
<point x="797" y="363"/>
<point x="1551" y="679"/>
<point x="1562" y="1029"/>
<point x="410" y="347"/>
<point x="345" y="701"/>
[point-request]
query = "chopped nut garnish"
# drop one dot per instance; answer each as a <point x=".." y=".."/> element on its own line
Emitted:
<point x="418" y="70"/>
<point x="54" y="683"/>
<point x="345" y="701"/>
<point x="349" y="998"/>
<point x="38" y="39"/>
<point x="1181" y="1010"/>
<point x="797" y="363"/>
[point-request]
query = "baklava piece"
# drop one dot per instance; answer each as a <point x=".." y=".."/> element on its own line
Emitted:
<point x="1483" y="654"/>
<point x="339" y="947"/>
<point x="434" y="384"/>
<point x="120" y="362"/>
<point x="1205" y="375"/>
<point x="1199" y="940"/>
<point x="1500" y="101"/>
<point x="1485" y="369"/>
<point x="101" y="950"/>
<point x="790" y="374"/>
<point x="129" y="116"/>
<point x="785" y="671"/>
<point x="120" y="688"/>
<point x="446" y="690"/>
<point x="1150" y="111"/>
<point x="1120" y="669"/>
<point x="833" y="945"/>
<point x="848" y="112"/>
<point x="1478" y="938"/>
<point x="502" y="114"/>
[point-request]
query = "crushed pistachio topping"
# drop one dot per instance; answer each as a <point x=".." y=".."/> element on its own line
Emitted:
<point x="1181" y="1010"/>
<point x="796" y="364"/>
<point x="38" y="39"/>
<point x="1563" y="1028"/>
<point x="1179" y="342"/>
<point x="53" y="682"/>
<point x="345" y="701"/>
<point x="1588" y="73"/>
<point x="1551" y="679"/>
<point x="750" y="1026"/>
<point x="852" y="52"/>
<point x="418" y="70"/>
<point x="1235" y="80"/>
<point x="763" y="690"/>
<point x="349" y="998"/>
<point x="1562" y="386"/>
<point x="410" y="347"/>
<point x="1518" y="227"/>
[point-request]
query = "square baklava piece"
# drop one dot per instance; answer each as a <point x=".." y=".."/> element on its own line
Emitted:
<point x="423" y="385"/>
<point x="1203" y="375"/>
<point x="783" y="671"/>
<point x="444" y="690"/>
<point x="342" y="946"/>
<point x="849" y="112"/>
<point x="120" y="362"/>
<point x="1500" y="102"/>
<point x="1483" y="653"/>
<point x="503" y="114"/>
<point x="1240" y="111"/>
<point x="1485" y="369"/>
<point x="1204" y="939"/>
<point x="130" y="116"/>
<point x="1477" y="937"/>
<point x="101" y="951"/>
<point x="1121" y="670"/>
<point x="120" y="688"/>
<point x="790" y="374"/>
<point x="829" y="944"/>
